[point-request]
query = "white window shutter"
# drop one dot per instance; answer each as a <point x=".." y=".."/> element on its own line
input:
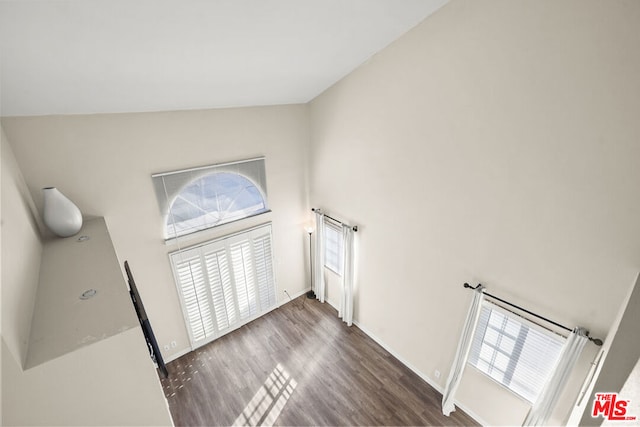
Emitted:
<point x="193" y="287"/>
<point x="243" y="273"/>
<point x="264" y="270"/>
<point x="221" y="289"/>
<point x="225" y="283"/>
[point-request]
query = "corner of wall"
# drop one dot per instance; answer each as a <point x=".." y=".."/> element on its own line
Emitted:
<point x="620" y="354"/>
<point x="20" y="230"/>
<point x="1" y="338"/>
<point x="31" y="210"/>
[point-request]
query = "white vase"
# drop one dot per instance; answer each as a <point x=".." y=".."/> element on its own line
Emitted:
<point x="60" y="214"/>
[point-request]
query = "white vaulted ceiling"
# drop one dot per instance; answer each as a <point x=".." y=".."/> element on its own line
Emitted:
<point x="98" y="56"/>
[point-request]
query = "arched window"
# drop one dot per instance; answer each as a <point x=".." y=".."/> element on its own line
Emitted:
<point x="203" y="197"/>
<point x="211" y="200"/>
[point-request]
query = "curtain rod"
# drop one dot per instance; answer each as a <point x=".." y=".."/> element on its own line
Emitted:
<point x="354" y="228"/>
<point x="596" y="341"/>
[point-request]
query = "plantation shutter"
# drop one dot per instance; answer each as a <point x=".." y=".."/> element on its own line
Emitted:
<point x="243" y="272"/>
<point x="192" y="285"/>
<point x="221" y="288"/>
<point x="226" y="283"/>
<point x="264" y="270"/>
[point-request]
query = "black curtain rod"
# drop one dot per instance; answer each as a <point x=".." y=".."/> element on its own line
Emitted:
<point x="596" y="341"/>
<point x="354" y="228"/>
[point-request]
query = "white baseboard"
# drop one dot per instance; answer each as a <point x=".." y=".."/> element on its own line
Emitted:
<point x="286" y="299"/>
<point x="418" y="372"/>
<point x="428" y="380"/>
<point x="176" y="355"/>
<point x="383" y="345"/>
<point x="181" y="353"/>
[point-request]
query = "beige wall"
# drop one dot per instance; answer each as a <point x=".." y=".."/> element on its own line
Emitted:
<point x="104" y="164"/>
<point x="84" y="387"/>
<point x="21" y="254"/>
<point x="91" y="386"/>
<point x="497" y="142"/>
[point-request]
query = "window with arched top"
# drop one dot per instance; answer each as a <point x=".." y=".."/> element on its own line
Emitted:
<point x="213" y="200"/>
<point x="201" y="198"/>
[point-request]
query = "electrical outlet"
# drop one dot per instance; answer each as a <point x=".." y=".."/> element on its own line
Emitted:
<point x="174" y="344"/>
<point x="437" y="373"/>
<point x="166" y="346"/>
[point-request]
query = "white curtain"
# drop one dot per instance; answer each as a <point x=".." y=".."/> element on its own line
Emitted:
<point x="319" y="257"/>
<point x="462" y="354"/>
<point x="348" y="275"/>
<point x="541" y="409"/>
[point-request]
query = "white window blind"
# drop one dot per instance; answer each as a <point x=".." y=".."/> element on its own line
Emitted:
<point x="225" y="283"/>
<point x="513" y="351"/>
<point x="333" y="247"/>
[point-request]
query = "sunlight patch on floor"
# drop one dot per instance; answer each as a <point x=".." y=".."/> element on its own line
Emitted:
<point x="266" y="405"/>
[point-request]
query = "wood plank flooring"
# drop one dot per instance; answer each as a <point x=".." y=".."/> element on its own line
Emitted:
<point x="300" y="366"/>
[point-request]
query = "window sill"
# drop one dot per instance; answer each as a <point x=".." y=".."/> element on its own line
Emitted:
<point x="502" y="386"/>
<point x="331" y="270"/>
<point x="221" y="230"/>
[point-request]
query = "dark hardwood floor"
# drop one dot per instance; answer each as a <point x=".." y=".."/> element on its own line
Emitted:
<point x="300" y="366"/>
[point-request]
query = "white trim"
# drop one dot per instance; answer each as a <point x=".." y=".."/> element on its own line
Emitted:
<point x="177" y="355"/>
<point x="217" y="238"/>
<point x="294" y="296"/>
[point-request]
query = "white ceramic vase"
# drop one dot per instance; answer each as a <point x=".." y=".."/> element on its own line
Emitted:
<point x="61" y="216"/>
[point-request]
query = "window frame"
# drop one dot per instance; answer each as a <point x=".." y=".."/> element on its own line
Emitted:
<point x="543" y="332"/>
<point x="335" y="263"/>
<point x="169" y="186"/>
<point x="197" y="231"/>
<point x="259" y="272"/>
